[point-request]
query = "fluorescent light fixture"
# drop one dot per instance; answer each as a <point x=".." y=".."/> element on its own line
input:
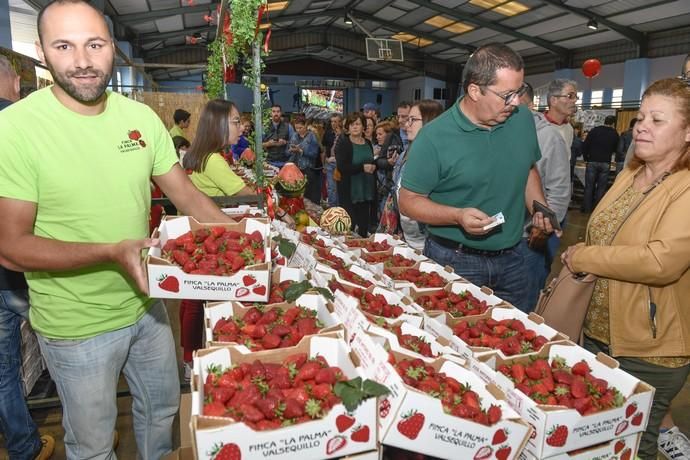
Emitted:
<point x="348" y="21"/>
<point x="439" y="21"/>
<point x="499" y="6"/>
<point x="277" y="6"/>
<point x="459" y="28"/>
<point x="403" y="37"/>
<point x="592" y="24"/>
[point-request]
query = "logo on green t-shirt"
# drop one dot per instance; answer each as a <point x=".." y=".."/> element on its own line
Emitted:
<point x="133" y="142"/>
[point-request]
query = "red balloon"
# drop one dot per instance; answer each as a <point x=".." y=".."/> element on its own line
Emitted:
<point x="591" y="68"/>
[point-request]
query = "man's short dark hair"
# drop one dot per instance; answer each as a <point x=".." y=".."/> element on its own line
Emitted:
<point x="632" y="123"/>
<point x="609" y="120"/>
<point x="39" y="18"/>
<point x="180" y="116"/>
<point x="277" y="105"/>
<point x="483" y="64"/>
<point x="404" y="104"/>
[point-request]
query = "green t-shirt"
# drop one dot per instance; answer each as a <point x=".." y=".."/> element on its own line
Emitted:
<point x="177" y="131"/>
<point x="457" y="163"/>
<point x="362" y="184"/>
<point x="90" y="179"/>
<point x="217" y="179"/>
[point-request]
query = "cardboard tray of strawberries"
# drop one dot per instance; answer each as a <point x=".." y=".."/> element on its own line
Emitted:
<point x="377" y="242"/>
<point x="606" y="403"/>
<point x="460" y="298"/>
<point x="503" y="330"/>
<point x="623" y="448"/>
<point x="377" y="305"/>
<point x="413" y="340"/>
<point x="279" y="325"/>
<point x="424" y="276"/>
<point x="332" y="432"/>
<point x="470" y="419"/>
<point x="234" y="252"/>
<point x="396" y="256"/>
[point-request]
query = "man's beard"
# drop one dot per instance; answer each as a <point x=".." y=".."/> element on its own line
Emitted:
<point x="84" y="94"/>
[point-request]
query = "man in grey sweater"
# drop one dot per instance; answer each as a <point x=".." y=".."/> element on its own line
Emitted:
<point x="554" y="171"/>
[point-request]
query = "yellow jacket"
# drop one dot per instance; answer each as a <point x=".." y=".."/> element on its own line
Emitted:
<point x="649" y="256"/>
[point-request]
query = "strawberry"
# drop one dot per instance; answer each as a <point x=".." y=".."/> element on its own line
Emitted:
<point x="270" y="341"/>
<point x="259" y="290"/>
<point x="228" y="452"/>
<point x="384" y="408"/>
<point x="241" y="292"/>
<point x="503" y="453"/>
<point x="169" y="283"/>
<point x="411" y="424"/>
<point x="499" y="437"/>
<point x="248" y="280"/>
<point x="343" y="422"/>
<point x="558" y="436"/>
<point x="637" y="419"/>
<point x="214" y="409"/>
<point x="630" y="409"/>
<point x="360" y="434"/>
<point x="308" y="371"/>
<point x="618" y="446"/>
<point x="483" y="453"/>
<point x="626" y="454"/>
<point x="335" y="444"/>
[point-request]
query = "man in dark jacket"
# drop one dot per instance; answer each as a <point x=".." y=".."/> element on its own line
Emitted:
<point x="276" y="138"/>
<point x="624" y="143"/>
<point x="600" y="145"/>
<point x="19" y="430"/>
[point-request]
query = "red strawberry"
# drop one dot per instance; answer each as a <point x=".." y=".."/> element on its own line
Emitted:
<point x="229" y="452"/>
<point x="343" y="422"/>
<point x="622" y="426"/>
<point x="411" y="425"/>
<point x="259" y="290"/>
<point x="248" y="280"/>
<point x="335" y="444"/>
<point x="135" y="135"/>
<point x="503" y="453"/>
<point x="637" y="419"/>
<point x="630" y="410"/>
<point x="384" y="408"/>
<point x="626" y="454"/>
<point x="483" y="453"/>
<point x="558" y="436"/>
<point x="360" y="434"/>
<point x="499" y="437"/>
<point x="169" y="283"/>
<point x="618" y="446"/>
<point x="241" y="292"/>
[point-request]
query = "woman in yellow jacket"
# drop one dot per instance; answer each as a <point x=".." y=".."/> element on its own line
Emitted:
<point x="639" y="247"/>
<point x="219" y="127"/>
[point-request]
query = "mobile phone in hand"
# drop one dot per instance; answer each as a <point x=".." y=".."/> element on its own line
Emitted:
<point x="547" y="212"/>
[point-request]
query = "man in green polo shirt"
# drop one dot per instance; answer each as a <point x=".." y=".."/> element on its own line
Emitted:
<point x="474" y="161"/>
<point x="75" y="169"/>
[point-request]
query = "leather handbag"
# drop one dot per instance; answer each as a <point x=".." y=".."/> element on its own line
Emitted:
<point x="564" y="302"/>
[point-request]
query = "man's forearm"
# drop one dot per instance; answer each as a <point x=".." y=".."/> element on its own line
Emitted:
<point x="533" y="190"/>
<point x="34" y="253"/>
<point x="422" y="209"/>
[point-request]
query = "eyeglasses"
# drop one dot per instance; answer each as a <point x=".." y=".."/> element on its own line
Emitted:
<point x="509" y="96"/>
<point x="412" y="120"/>
<point x="571" y="96"/>
<point x="235" y="121"/>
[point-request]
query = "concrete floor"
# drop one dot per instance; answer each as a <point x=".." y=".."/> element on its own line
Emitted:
<point x="50" y="420"/>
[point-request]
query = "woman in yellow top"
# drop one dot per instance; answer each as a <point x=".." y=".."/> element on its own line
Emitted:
<point x="219" y="127"/>
<point x="639" y="247"/>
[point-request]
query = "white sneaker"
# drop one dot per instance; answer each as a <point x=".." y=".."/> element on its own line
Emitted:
<point x="674" y="445"/>
<point x="187" y="372"/>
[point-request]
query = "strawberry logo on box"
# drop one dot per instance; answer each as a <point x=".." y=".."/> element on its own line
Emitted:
<point x="343" y="422"/>
<point x="500" y="436"/>
<point x="558" y="436"/>
<point x="384" y="407"/>
<point x="248" y="280"/>
<point x="169" y="283"/>
<point x="618" y="446"/>
<point x="360" y="434"/>
<point x="483" y="453"/>
<point x="226" y="452"/>
<point x="259" y="290"/>
<point x="411" y="424"/>
<point x="335" y="444"/>
<point x="503" y="452"/>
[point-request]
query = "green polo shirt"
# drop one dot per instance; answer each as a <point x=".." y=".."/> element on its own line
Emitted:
<point x="457" y="163"/>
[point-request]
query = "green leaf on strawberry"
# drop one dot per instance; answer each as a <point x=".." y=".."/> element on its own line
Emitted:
<point x="353" y="392"/>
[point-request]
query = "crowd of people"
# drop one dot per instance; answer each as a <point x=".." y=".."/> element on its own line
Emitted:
<point x="453" y="183"/>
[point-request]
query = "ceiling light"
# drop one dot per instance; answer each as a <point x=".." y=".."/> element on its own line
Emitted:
<point x="276" y="6"/>
<point x="592" y="24"/>
<point x="348" y="21"/>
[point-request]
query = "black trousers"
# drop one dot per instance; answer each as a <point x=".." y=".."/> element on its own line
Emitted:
<point x="360" y="213"/>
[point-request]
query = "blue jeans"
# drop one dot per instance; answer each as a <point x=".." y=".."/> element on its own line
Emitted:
<point x="535" y="274"/>
<point x="596" y="182"/>
<point x="21" y="435"/>
<point x="86" y="373"/>
<point x="503" y="273"/>
<point x="331" y="185"/>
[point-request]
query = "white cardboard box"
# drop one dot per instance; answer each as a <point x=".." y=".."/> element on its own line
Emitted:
<point x="458" y="287"/>
<point x="206" y="287"/>
<point x="415" y="421"/>
<point x="623" y="448"/>
<point x="429" y="266"/>
<point x="303" y="441"/>
<point x="404" y="251"/>
<point x="582" y="431"/>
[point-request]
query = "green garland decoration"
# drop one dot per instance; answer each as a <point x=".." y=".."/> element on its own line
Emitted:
<point x="215" y="70"/>
<point x="243" y="27"/>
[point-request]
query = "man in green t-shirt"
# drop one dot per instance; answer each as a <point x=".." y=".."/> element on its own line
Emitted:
<point x="74" y="195"/>
<point x="474" y="161"/>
